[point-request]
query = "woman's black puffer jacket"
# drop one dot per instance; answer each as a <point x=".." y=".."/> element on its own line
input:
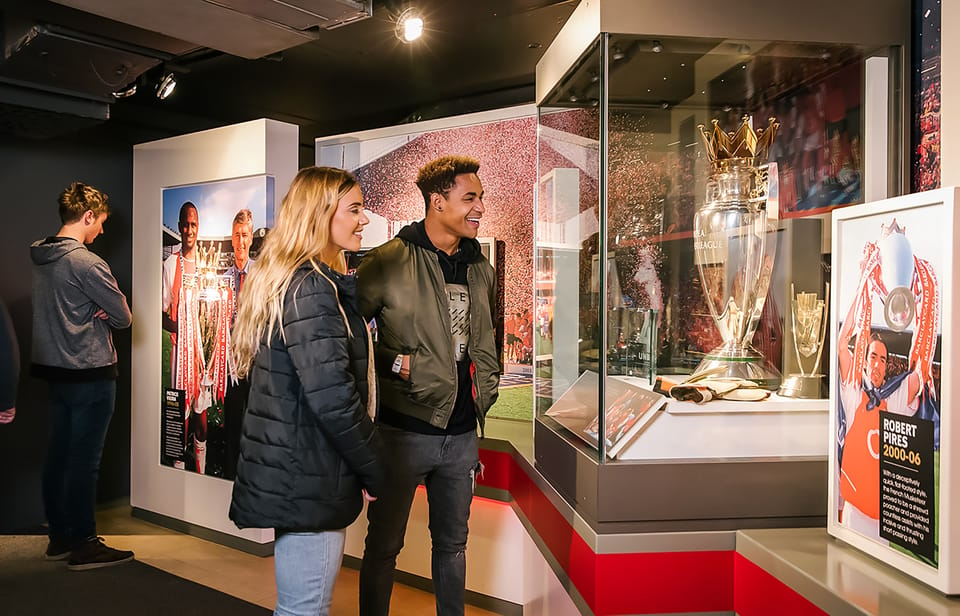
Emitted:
<point x="308" y="444"/>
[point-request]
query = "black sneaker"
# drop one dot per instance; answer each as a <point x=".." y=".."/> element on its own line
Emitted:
<point x="57" y="550"/>
<point x="94" y="554"/>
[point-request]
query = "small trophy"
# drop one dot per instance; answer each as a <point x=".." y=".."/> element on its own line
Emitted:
<point x="809" y="330"/>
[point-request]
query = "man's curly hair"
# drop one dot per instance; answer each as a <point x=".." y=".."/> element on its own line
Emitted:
<point x="439" y="176"/>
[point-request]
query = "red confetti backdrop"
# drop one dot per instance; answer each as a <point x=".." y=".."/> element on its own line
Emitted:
<point x="507" y="154"/>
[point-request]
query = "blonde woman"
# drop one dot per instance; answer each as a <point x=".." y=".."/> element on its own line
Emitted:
<point x="308" y="453"/>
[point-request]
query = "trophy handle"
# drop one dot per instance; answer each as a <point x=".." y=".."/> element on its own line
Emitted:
<point x="823" y="325"/>
<point x="793" y="320"/>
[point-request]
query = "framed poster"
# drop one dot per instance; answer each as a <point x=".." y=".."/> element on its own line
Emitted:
<point x="212" y="232"/>
<point x="892" y="434"/>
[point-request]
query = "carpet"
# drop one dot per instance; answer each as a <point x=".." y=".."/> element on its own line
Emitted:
<point x="32" y="586"/>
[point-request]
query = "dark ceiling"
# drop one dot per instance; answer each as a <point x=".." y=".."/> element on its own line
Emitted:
<point x="473" y="56"/>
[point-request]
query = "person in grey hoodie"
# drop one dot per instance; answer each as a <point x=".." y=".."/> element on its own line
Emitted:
<point x="76" y="302"/>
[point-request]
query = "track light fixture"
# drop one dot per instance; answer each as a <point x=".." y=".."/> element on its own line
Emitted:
<point x="409" y="25"/>
<point x="166" y="86"/>
<point x="126" y="91"/>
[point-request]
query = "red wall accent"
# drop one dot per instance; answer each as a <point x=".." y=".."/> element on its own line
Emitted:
<point x="757" y="593"/>
<point x="644" y="583"/>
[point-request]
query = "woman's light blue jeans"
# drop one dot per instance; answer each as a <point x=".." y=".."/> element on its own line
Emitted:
<point x="306" y="567"/>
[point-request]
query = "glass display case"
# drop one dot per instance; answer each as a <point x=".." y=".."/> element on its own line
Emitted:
<point x="627" y="96"/>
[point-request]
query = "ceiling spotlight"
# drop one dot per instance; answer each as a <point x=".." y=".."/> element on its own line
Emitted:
<point x="166" y="86"/>
<point x="409" y="25"/>
<point x="129" y="90"/>
<point x="657" y="47"/>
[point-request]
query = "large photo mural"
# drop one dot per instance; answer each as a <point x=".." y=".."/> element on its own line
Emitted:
<point x="387" y="167"/>
<point x="211" y="234"/>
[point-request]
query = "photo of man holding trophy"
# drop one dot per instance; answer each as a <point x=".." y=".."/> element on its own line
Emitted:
<point x="204" y="268"/>
<point x="888" y="386"/>
<point x="181" y="288"/>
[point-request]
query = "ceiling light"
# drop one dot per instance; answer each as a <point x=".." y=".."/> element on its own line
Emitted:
<point x="166" y="86"/>
<point x="617" y="54"/>
<point x="129" y="90"/>
<point x="409" y="25"/>
<point x="657" y="47"/>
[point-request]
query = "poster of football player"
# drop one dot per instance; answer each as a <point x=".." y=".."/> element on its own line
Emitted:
<point x="211" y="233"/>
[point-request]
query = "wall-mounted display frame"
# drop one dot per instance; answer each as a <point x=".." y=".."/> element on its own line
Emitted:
<point x="892" y="436"/>
<point x="256" y="150"/>
<point x="202" y="400"/>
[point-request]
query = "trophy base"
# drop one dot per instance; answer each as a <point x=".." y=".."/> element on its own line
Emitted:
<point x="744" y="363"/>
<point x="804" y="386"/>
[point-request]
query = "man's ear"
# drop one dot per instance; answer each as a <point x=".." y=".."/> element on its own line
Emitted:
<point x="436" y="201"/>
<point x="89" y="217"/>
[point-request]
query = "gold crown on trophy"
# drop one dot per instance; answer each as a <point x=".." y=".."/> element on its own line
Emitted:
<point x="893" y="227"/>
<point x="745" y="145"/>
<point x="208" y="260"/>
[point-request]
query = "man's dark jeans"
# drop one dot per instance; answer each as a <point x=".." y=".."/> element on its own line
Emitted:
<point x="446" y="465"/>
<point x="79" y="416"/>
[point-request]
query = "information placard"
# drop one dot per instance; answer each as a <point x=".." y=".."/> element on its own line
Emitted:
<point x="907" y="489"/>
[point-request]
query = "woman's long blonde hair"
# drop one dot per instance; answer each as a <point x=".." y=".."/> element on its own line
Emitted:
<point x="300" y="235"/>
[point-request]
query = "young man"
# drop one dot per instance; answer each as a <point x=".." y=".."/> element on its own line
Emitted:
<point x="432" y="293"/>
<point x="181" y="319"/>
<point x="75" y="303"/>
<point x="237" y="390"/>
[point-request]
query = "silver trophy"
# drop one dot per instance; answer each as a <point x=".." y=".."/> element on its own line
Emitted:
<point x="897" y="271"/>
<point x="212" y="321"/>
<point x="809" y="316"/>
<point x="734" y="246"/>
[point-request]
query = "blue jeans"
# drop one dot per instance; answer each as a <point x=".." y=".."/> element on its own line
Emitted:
<point x="79" y="416"/>
<point x="446" y="465"/>
<point x="306" y="567"/>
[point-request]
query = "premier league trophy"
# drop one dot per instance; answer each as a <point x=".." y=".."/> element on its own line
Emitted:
<point x="734" y="245"/>
<point x="214" y="308"/>
<point x="809" y="331"/>
<point x="896" y="275"/>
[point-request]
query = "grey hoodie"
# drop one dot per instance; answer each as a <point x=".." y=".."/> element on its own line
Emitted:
<point x="70" y="284"/>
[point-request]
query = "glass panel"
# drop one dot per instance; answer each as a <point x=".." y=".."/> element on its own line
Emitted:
<point x="660" y="91"/>
<point x="656" y="179"/>
<point x="567" y="285"/>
